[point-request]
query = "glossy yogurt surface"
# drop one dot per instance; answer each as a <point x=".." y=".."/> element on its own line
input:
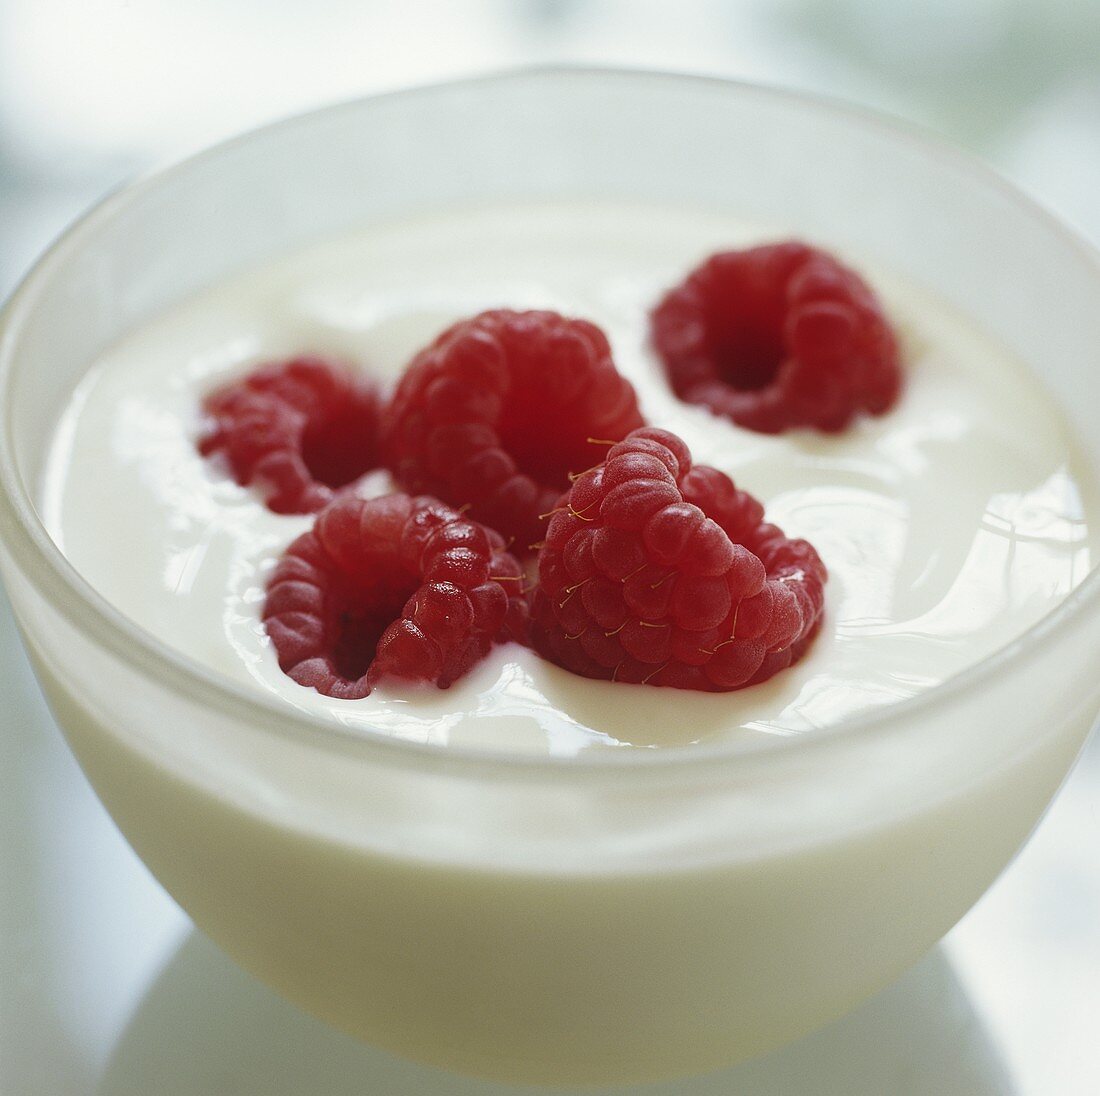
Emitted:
<point x="949" y="526"/>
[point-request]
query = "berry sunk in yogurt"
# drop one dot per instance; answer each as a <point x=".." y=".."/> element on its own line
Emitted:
<point x="658" y="571"/>
<point x="391" y="587"/>
<point x="948" y="525"/>
<point x="501" y="409"/>
<point x="296" y="431"/>
<point x="778" y="336"/>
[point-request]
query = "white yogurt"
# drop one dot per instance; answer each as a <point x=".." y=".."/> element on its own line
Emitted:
<point x="949" y="526"/>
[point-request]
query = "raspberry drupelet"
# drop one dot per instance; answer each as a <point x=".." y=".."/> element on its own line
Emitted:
<point x="776" y="337"/>
<point x="500" y="409"/>
<point x="391" y="587"/>
<point x="297" y="430"/>
<point x="657" y="571"/>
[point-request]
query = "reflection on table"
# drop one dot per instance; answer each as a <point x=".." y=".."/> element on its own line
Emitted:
<point x="207" y="1027"/>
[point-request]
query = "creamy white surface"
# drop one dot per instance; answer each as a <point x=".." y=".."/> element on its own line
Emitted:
<point x="949" y="526"/>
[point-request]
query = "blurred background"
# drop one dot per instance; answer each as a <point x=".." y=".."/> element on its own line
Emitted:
<point x="93" y="90"/>
<point x="103" y="986"/>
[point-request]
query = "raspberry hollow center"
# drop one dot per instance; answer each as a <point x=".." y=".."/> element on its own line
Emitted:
<point x="747" y="356"/>
<point x="358" y="614"/>
<point x="337" y="450"/>
<point x="548" y="448"/>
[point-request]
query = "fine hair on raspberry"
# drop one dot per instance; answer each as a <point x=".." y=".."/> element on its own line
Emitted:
<point x="657" y="571"/>
<point x="777" y="337"/>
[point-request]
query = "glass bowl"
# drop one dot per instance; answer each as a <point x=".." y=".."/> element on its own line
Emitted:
<point x="612" y="917"/>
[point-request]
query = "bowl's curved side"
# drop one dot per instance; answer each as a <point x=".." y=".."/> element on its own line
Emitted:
<point x="545" y="972"/>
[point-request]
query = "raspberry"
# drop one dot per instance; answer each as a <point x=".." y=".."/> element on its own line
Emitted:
<point x="500" y="409"/>
<point x="776" y="337"/>
<point x="657" y="571"/>
<point x="298" y="430"/>
<point x="391" y="587"/>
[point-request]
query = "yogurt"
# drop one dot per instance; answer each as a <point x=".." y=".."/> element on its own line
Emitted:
<point x="949" y="526"/>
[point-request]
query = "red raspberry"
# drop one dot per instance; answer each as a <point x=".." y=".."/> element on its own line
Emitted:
<point x="391" y="587"/>
<point x="656" y="571"/>
<point x="298" y="430"/>
<point x="500" y="409"/>
<point x="776" y="337"/>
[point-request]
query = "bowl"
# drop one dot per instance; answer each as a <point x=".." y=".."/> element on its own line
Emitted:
<point x="616" y="916"/>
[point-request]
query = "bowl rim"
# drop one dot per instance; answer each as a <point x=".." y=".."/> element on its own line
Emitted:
<point x="23" y="534"/>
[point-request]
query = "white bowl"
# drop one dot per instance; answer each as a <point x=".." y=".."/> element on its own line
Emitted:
<point x="610" y="917"/>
